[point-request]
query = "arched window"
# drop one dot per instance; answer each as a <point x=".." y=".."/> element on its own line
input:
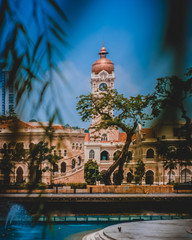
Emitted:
<point x="149" y="179"/>
<point x="73" y="146"/>
<point x="73" y="163"/>
<point x="171" y="176"/>
<point x="104" y="155"/>
<point x="19" y="178"/>
<point x="76" y="146"/>
<point x="91" y="154"/>
<point x="80" y="146"/>
<point x="104" y="137"/>
<point x="63" y="167"/>
<point x="59" y="153"/>
<point x="79" y="160"/>
<point x="129" y="177"/>
<point x="55" y="168"/>
<point x="129" y="155"/>
<point x="150" y="153"/>
<point x="65" y="153"/>
<point x="186" y="175"/>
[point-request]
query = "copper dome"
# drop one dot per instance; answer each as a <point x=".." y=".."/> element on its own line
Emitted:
<point x="103" y="63"/>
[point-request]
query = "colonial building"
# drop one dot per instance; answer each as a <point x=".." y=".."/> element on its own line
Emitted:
<point x="102" y="146"/>
<point x="69" y="145"/>
<point x="75" y="147"/>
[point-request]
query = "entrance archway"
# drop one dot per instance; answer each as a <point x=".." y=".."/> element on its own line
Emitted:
<point x="149" y="179"/>
<point x="63" y="167"/>
<point x="186" y="175"/>
<point x="129" y="177"/>
<point x="19" y="178"/>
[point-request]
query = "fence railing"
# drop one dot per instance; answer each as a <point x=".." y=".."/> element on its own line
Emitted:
<point x="121" y="218"/>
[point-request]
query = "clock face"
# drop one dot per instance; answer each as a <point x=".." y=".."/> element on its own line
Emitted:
<point x="103" y="87"/>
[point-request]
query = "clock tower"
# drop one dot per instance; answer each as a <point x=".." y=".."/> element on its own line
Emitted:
<point x="102" y="78"/>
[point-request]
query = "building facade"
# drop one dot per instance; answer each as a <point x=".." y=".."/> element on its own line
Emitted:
<point x="69" y="145"/>
<point x="75" y="147"/>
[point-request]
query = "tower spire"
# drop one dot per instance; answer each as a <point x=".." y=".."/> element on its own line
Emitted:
<point x="103" y="52"/>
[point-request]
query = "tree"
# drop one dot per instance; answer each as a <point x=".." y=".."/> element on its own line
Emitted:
<point x="6" y="163"/>
<point x="139" y="172"/>
<point x="171" y="93"/>
<point x="12" y="153"/>
<point x="91" y="172"/>
<point x="169" y="156"/>
<point x="170" y="161"/>
<point x="38" y="153"/>
<point x="184" y="155"/>
<point x="32" y="38"/>
<point x="128" y="112"/>
<point x="130" y="176"/>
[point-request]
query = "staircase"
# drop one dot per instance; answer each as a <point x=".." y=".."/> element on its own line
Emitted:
<point x="63" y="176"/>
<point x="99" y="235"/>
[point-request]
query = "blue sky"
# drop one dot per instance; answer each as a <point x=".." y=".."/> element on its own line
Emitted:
<point x="132" y="32"/>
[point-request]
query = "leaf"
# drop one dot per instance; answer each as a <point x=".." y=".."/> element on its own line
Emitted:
<point x="56" y="25"/>
<point x="37" y="46"/>
<point x="56" y="34"/>
<point x="58" y="10"/>
<point x="43" y="92"/>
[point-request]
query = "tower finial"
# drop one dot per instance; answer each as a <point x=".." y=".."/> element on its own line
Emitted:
<point x="103" y="43"/>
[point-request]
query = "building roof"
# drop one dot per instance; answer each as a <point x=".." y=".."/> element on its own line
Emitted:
<point x="122" y="137"/>
<point x="13" y="123"/>
<point x="103" y="63"/>
<point x="148" y="132"/>
<point x="45" y="124"/>
<point x="87" y="137"/>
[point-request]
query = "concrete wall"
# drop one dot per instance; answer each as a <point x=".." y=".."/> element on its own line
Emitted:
<point x="131" y="189"/>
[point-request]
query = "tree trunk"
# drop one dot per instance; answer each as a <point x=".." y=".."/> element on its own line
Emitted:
<point x="106" y="175"/>
<point x="119" y="162"/>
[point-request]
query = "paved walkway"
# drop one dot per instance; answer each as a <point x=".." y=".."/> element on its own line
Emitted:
<point x="156" y="230"/>
<point x="83" y="197"/>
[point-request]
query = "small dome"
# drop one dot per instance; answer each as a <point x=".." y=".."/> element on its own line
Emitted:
<point x="103" y="50"/>
<point x="103" y="63"/>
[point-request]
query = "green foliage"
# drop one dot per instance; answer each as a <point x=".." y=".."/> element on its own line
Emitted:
<point x="139" y="172"/>
<point x="130" y="177"/>
<point x="127" y="113"/>
<point x="12" y="153"/>
<point x="172" y="155"/>
<point x="91" y="172"/>
<point x="126" y="110"/>
<point x="117" y="177"/>
<point x="39" y="185"/>
<point x="38" y="153"/>
<point x="171" y="94"/>
<point x="76" y="185"/>
<point x="116" y="155"/>
<point x="31" y="41"/>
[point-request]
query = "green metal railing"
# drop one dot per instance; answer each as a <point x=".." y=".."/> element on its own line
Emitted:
<point x="120" y="218"/>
